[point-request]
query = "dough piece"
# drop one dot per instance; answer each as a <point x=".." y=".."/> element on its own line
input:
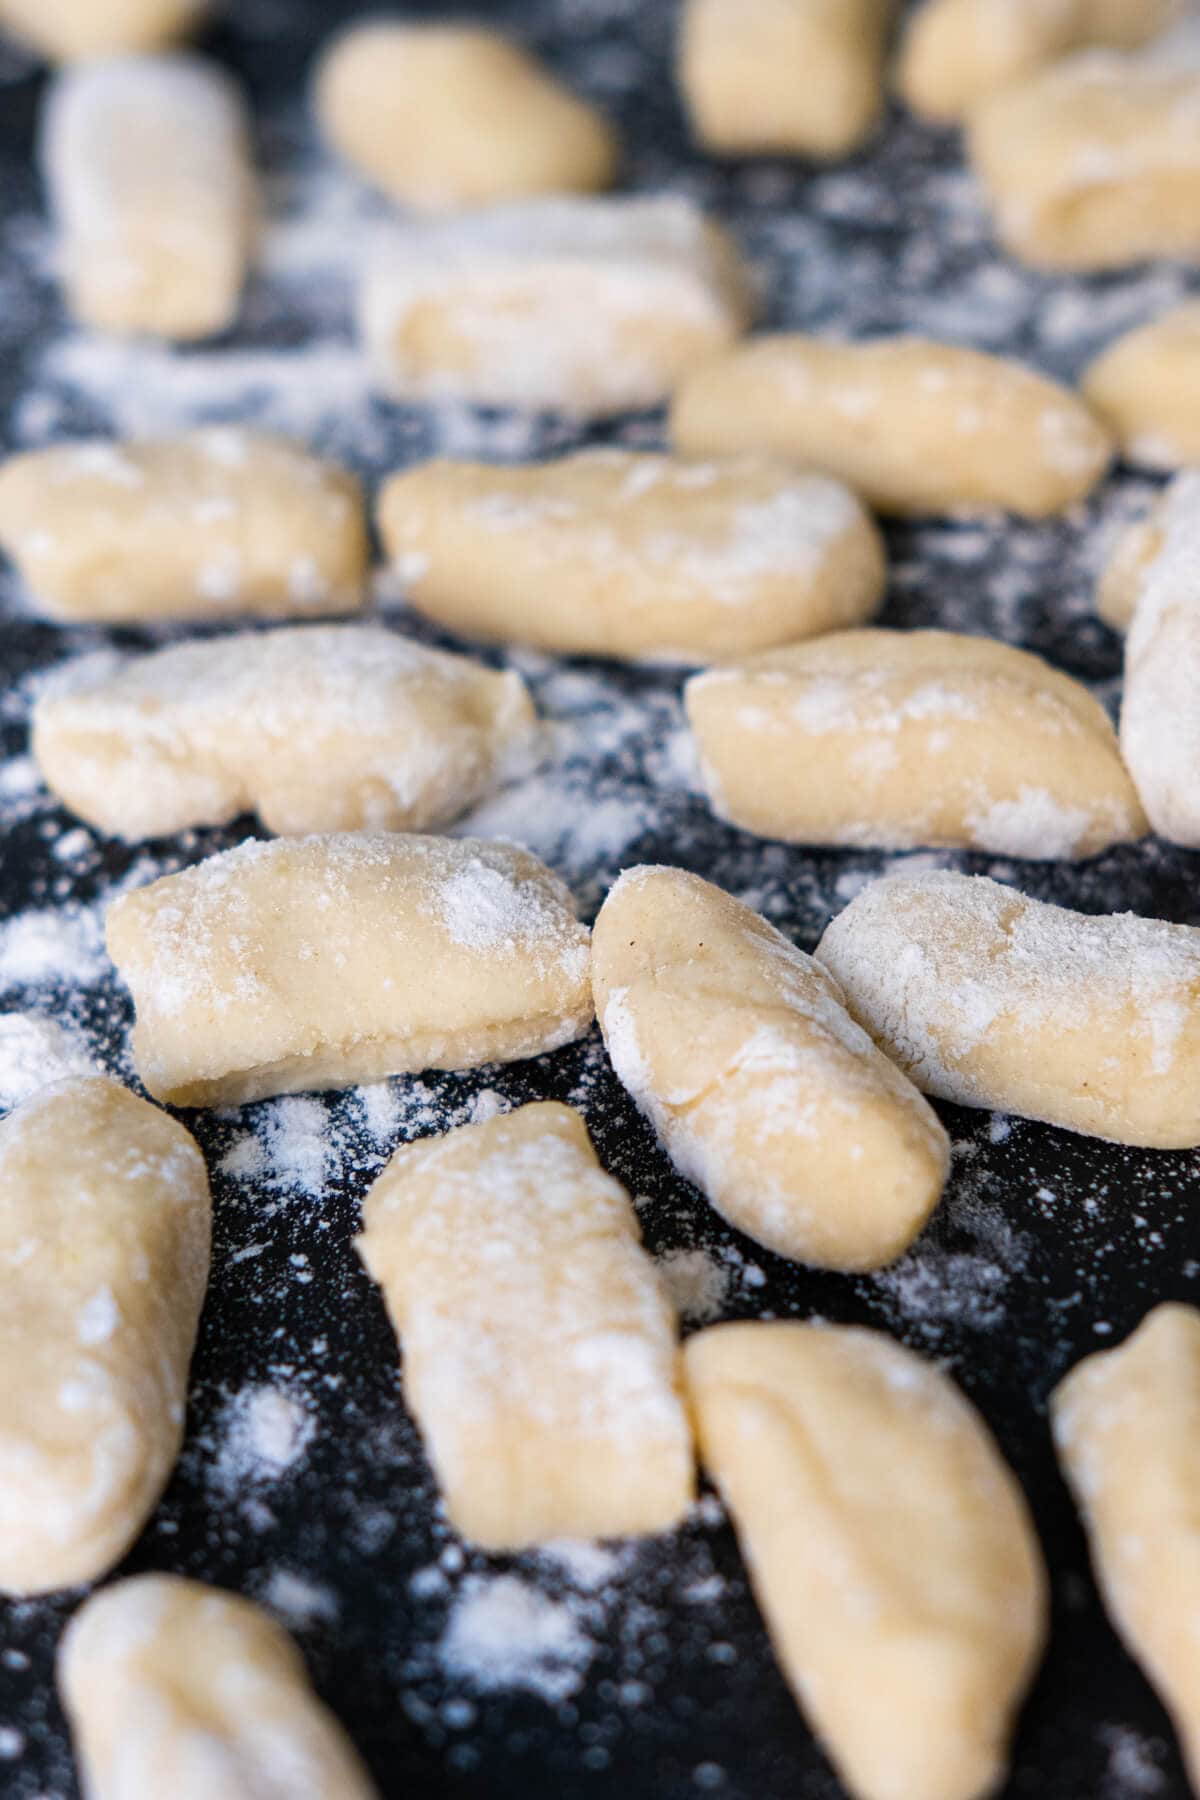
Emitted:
<point x="764" y="1092"/>
<point x="907" y="738"/>
<point x="612" y="553"/>
<point x="783" y="77"/>
<point x="104" y="1243"/>
<point x="1146" y="387"/>
<point x="590" y="306"/>
<point x="889" y="1546"/>
<point x="989" y="998"/>
<point x="215" y="522"/>
<point x="1095" y="162"/>
<point x="147" y="161"/>
<point x="314" y="727"/>
<point x="325" y="961"/>
<point x="1137" y="549"/>
<point x="915" y="426"/>
<point x="447" y="115"/>
<point x="540" y="1356"/>
<point x="66" y="29"/>
<point x="176" y="1689"/>
<point x="1127" y="1429"/>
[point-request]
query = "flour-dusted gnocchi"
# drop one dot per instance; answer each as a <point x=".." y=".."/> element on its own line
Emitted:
<point x="148" y="167"/>
<point x="104" y="1246"/>
<point x="67" y="29"/>
<point x="614" y="553"/>
<point x="915" y="426"/>
<point x="446" y="115"/>
<point x="786" y="77"/>
<point x="900" y="739"/>
<point x="989" y="998"/>
<point x="889" y="1545"/>
<point x="314" y="727"/>
<point x="1127" y="1430"/>
<point x="1146" y="387"/>
<point x="540" y="1352"/>
<point x="763" y="1091"/>
<point x="172" y="1688"/>
<point x="1136" y="549"/>
<point x="320" y="962"/>
<point x="215" y="522"/>
<point x="589" y="306"/>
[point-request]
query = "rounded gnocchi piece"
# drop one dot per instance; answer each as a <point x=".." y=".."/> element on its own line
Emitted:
<point x="215" y="522"/>
<point x="888" y="1544"/>
<point x="915" y="426"/>
<point x="67" y="29"/>
<point x="900" y="739"/>
<point x="321" y="962"/>
<point x="147" y="162"/>
<point x="588" y="306"/>
<point x="104" y="1250"/>
<point x="783" y="77"/>
<point x="1146" y="387"/>
<point x="314" y="727"/>
<point x="540" y="1350"/>
<point x="175" y="1688"/>
<point x="988" y="998"/>
<point x="763" y="1091"/>
<point x="448" y="115"/>
<point x="613" y="553"/>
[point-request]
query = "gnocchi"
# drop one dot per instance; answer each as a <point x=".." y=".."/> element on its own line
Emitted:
<point x="1146" y="387"/>
<point x="66" y="29"/>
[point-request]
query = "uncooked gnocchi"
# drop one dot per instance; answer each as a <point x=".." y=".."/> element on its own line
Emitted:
<point x="540" y="1351"/>
<point x="588" y="306"/>
<point x="1127" y="1429"/>
<point x="763" y="1091"/>
<point x="915" y="426"/>
<point x="1146" y="387"/>
<point x="447" y="115"/>
<point x="899" y="739"/>
<point x="783" y="77"/>
<point x="324" y="961"/>
<point x="66" y="29"/>
<point x="218" y="521"/>
<point x="172" y="1688"/>
<point x="889" y="1546"/>
<point x="314" y="727"/>
<point x="989" y="998"/>
<point x="104" y="1247"/>
<point x="148" y="166"/>
<point x="612" y="553"/>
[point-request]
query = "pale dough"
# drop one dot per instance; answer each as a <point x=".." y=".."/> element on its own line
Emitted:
<point x="589" y="306"/>
<point x="324" y="961"/>
<point x="66" y="29"/>
<point x="178" y="1691"/>
<point x="314" y="727"/>
<point x="889" y="1546"/>
<point x="989" y="998"/>
<point x="540" y="1352"/>
<point x="147" y="163"/>
<point x="763" y="1091"/>
<point x="900" y="739"/>
<point x="617" y="553"/>
<point x="104" y="1248"/>
<point x="219" y="521"/>
<point x="448" y="115"/>
<point x="915" y="426"/>
<point x="1146" y="387"/>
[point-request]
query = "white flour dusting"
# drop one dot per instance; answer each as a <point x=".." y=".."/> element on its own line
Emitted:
<point x="35" y="1052"/>
<point x="502" y="1633"/>
<point x="264" y="1432"/>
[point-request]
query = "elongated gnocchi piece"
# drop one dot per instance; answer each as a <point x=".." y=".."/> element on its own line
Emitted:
<point x="540" y="1354"/>
<point x="314" y="727"/>
<point x="67" y="29"/>
<point x="900" y="739"/>
<point x="104" y="1247"/>
<point x="148" y="166"/>
<point x="1127" y="1430"/>
<point x="175" y="1688"/>
<point x="588" y="306"/>
<point x="915" y="426"/>
<point x="613" y="553"/>
<point x="215" y="522"/>
<point x="783" y="77"/>
<point x="324" y="961"/>
<point x="448" y="115"/>
<point x="989" y="998"/>
<point x="1146" y="387"/>
<point x="889" y="1546"/>
<point x="763" y="1091"/>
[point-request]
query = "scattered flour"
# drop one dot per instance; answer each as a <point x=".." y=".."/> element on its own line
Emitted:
<point x="47" y="947"/>
<point x="503" y="1634"/>
<point x="35" y="1052"/>
<point x="300" y="1603"/>
<point x="291" y="1150"/>
<point x="697" y="1284"/>
<point x="264" y="1431"/>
